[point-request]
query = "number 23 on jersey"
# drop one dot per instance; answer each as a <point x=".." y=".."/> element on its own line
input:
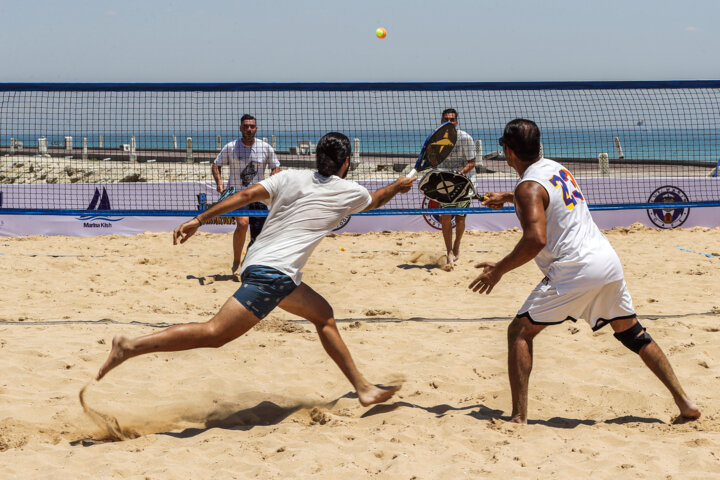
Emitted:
<point x="570" y="191"/>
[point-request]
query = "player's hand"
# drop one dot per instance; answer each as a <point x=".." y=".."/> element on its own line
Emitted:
<point x="493" y="200"/>
<point x="405" y="184"/>
<point x="485" y="282"/>
<point x="220" y="188"/>
<point x="185" y="231"/>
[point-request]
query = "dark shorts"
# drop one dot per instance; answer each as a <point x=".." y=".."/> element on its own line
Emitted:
<point x="262" y="289"/>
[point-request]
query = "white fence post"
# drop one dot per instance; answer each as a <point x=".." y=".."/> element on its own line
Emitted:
<point x="188" y="151"/>
<point x="84" y="148"/>
<point x="174" y="142"/>
<point x="42" y="146"/>
<point x="273" y="141"/>
<point x="68" y="144"/>
<point x="133" y="155"/>
<point x="356" y="151"/>
<point x="618" y="147"/>
<point x="604" y="163"/>
<point x="219" y="142"/>
<point x="100" y="141"/>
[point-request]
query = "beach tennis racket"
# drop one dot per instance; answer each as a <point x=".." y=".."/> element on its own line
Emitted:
<point x="447" y="187"/>
<point x="226" y="193"/>
<point x="436" y="149"/>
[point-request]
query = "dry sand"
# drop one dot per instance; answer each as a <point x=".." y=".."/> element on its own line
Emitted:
<point x="271" y="404"/>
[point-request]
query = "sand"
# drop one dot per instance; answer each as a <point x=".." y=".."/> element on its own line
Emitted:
<point x="271" y="405"/>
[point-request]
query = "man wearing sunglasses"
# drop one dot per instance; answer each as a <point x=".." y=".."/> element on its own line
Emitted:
<point x="247" y="158"/>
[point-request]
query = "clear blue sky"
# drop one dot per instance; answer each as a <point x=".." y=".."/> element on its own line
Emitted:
<point x="325" y="40"/>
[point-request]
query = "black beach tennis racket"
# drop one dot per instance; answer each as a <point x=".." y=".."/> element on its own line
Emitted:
<point x="436" y="149"/>
<point x="447" y="187"/>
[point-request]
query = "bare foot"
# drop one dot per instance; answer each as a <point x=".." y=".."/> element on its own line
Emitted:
<point x="518" y="419"/>
<point x="234" y="271"/>
<point x="688" y="409"/>
<point x="374" y="394"/>
<point x="450" y="257"/>
<point x="118" y="354"/>
<point x="456" y="253"/>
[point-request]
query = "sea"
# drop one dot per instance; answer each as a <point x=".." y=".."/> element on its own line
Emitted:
<point x="639" y="142"/>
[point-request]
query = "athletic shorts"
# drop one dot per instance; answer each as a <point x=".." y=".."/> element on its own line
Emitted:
<point x="462" y="203"/>
<point x="262" y="289"/>
<point x="598" y="307"/>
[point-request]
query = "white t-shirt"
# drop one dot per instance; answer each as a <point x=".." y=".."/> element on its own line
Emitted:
<point x="247" y="164"/>
<point x="462" y="153"/>
<point x="305" y="206"/>
<point x="577" y="256"/>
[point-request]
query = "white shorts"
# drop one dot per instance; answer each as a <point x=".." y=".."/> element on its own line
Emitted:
<point x="598" y="307"/>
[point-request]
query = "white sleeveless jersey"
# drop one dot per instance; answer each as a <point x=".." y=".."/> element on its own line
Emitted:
<point x="577" y="256"/>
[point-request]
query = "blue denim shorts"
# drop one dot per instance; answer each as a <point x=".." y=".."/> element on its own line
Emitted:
<point x="262" y="289"/>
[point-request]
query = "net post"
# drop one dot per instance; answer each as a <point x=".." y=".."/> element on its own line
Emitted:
<point x="188" y="150"/>
<point x="618" y="148"/>
<point x="12" y="146"/>
<point x="42" y="146"/>
<point x="218" y="142"/>
<point x="133" y="155"/>
<point x="273" y="142"/>
<point x="68" y="144"/>
<point x="100" y="141"/>
<point x="604" y="163"/>
<point x="84" y="148"/>
<point x="174" y="142"/>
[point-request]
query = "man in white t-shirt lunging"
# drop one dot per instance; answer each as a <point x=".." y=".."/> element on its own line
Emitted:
<point x="583" y="274"/>
<point x="247" y="158"/>
<point x="461" y="160"/>
<point x="305" y="206"/>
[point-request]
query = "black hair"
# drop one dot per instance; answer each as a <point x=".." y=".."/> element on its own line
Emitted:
<point x="450" y="110"/>
<point x="246" y="116"/>
<point x="331" y="152"/>
<point x="523" y="138"/>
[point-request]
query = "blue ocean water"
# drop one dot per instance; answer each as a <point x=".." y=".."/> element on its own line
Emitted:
<point x="639" y="142"/>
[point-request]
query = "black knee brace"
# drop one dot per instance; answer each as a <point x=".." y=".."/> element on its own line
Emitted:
<point x="634" y="337"/>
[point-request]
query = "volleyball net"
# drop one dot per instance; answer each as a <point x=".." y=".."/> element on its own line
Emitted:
<point x="147" y="149"/>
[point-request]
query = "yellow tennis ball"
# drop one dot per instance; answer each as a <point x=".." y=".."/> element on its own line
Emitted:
<point x="342" y="249"/>
<point x="381" y="32"/>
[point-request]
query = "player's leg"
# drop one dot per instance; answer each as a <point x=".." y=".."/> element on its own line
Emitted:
<point x="447" y="232"/>
<point x="229" y="323"/>
<point x="634" y="337"/>
<point x="520" y="335"/>
<point x="459" y="231"/>
<point x="256" y="223"/>
<point x="241" y="227"/>
<point x="310" y="305"/>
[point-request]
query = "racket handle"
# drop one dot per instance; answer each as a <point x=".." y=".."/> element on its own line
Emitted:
<point x="412" y="173"/>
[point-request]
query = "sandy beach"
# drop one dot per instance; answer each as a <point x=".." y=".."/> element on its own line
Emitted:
<point x="272" y="405"/>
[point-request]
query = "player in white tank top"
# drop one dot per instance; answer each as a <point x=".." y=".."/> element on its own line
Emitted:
<point x="576" y="256"/>
<point x="584" y="278"/>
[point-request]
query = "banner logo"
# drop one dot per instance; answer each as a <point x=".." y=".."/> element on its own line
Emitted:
<point x="668" y="217"/>
<point x="203" y="205"/>
<point x="434" y="220"/>
<point x="342" y="224"/>
<point x="100" y="201"/>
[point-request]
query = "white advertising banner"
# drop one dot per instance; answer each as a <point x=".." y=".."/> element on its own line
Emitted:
<point x="198" y="195"/>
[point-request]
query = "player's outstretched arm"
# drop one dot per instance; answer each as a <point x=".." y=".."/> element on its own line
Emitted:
<point x="497" y="199"/>
<point x="382" y="196"/>
<point x="531" y="200"/>
<point x="256" y="193"/>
